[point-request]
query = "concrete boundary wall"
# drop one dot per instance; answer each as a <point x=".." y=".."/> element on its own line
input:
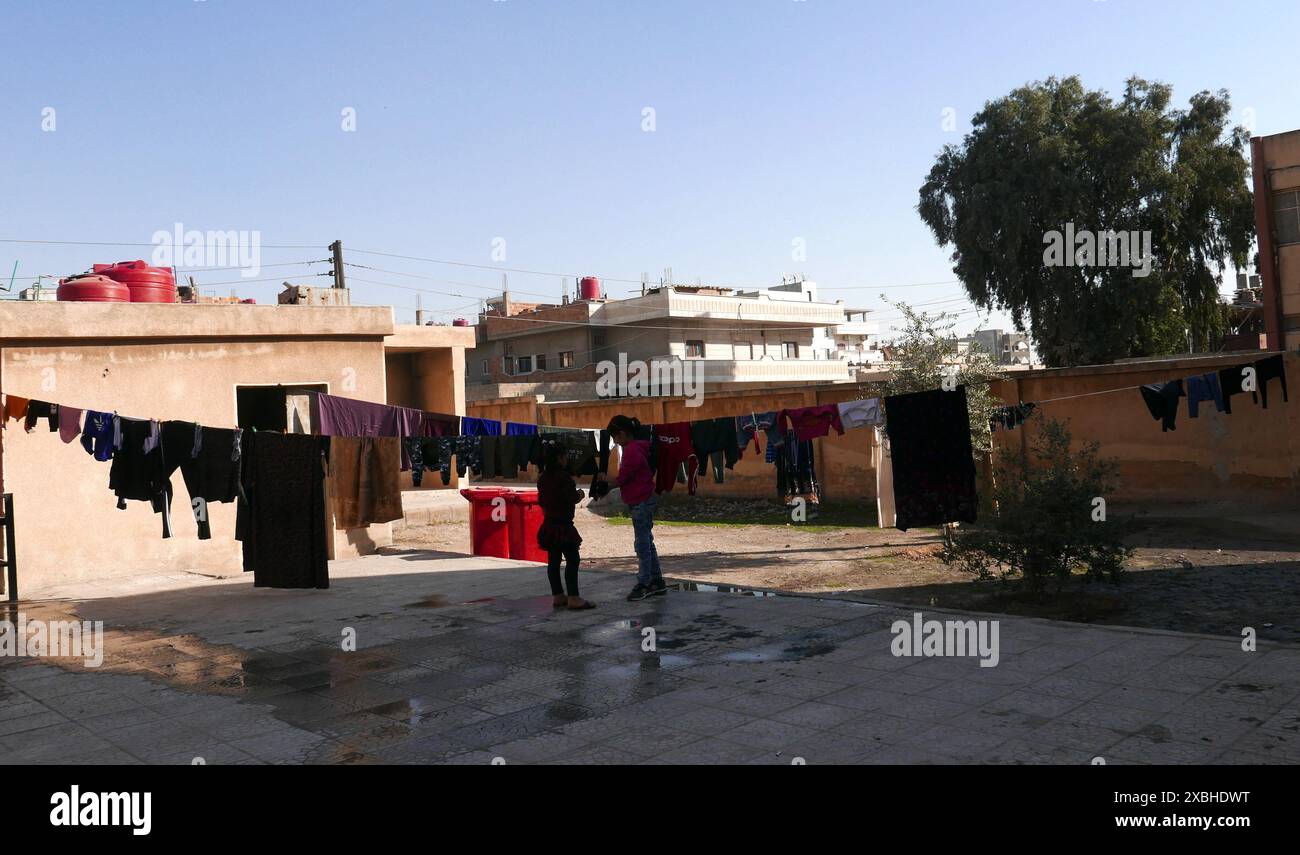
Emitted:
<point x="1251" y="455"/>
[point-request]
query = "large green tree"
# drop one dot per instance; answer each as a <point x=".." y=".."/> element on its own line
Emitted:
<point x="1052" y="154"/>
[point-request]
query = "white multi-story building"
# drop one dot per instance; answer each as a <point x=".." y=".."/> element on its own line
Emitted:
<point x="781" y="336"/>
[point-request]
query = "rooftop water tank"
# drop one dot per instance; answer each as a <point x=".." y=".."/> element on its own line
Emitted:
<point x="147" y="284"/>
<point x="460" y="322"/>
<point x="91" y="288"/>
<point x="589" y="288"/>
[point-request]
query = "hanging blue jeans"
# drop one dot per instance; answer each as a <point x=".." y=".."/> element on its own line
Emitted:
<point x="643" y="542"/>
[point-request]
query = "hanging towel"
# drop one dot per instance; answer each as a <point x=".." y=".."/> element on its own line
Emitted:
<point x="520" y="429"/>
<point x="69" y="423"/>
<point x="438" y="424"/>
<point x="930" y="445"/>
<point x="1203" y="387"/>
<point x="470" y="426"/>
<point x="864" y="413"/>
<point x="364" y="481"/>
<point x="1162" y="402"/>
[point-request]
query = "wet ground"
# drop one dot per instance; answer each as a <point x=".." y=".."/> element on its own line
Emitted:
<point x="464" y="660"/>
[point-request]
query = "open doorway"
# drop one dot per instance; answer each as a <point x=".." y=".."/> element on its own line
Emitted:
<point x="269" y="407"/>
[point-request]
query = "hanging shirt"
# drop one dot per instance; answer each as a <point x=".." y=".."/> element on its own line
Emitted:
<point x="100" y="435"/>
<point x="212" y="474"/>
<point x="1230" y="380"/>
<point x="933" y="468"/>
<point x="864" y="413"/>
<point x="37" y="410"/>
<point x="1267" y="369"/>
<point x="714" y="441"/>
<point x="812" y="422"/>
<point x="747" y="428"/>
<point x="673" y="448"/>
<point x="15" y="407"/>
<point x="1011" y="416"/>
<point x="1203" y="387"/>
<point x="1162" y="402"/>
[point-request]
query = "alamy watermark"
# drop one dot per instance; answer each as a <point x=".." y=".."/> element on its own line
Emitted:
<point x="69" y="639"/>
<point x="946" y="638"/>
<point x="1086" y="248"/>
<point x="637" y="378"/>
<point x="193" y="248"/>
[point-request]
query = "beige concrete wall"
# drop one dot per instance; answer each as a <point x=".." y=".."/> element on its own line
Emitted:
<point x="68" y="526"/>
<point x="1252" y="455"/>
<point x="843" y="462"/>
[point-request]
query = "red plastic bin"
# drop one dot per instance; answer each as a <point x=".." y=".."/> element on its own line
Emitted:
<point x="489" y="527"/>
<point x="525" y="519"/>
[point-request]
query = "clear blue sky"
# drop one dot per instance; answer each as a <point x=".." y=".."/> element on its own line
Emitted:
<point x="522" y="120"/>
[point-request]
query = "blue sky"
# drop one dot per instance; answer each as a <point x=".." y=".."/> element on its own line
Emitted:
<point x="775" y="120"/>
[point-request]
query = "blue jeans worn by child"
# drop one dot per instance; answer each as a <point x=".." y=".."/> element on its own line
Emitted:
<point x="643" y="541"/>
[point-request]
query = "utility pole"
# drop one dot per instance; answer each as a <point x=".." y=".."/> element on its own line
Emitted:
<point x="419" y="311"/>
<point x="336" y="249"/>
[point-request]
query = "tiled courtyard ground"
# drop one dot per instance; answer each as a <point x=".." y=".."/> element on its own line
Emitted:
<point x="463" y="660"/>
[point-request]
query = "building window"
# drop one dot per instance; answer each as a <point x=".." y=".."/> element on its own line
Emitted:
<point x="507" y="365"/>
<point x="744" y="350"/>
<point x="694" y="349"/>
<point x="484" y="369"/>
<point x="541" y="362"/>
<point x="566" y="358"/>
<point x="790" y="349"/>
<point x="524" y="365"/>
<point x="1286" y="214"/>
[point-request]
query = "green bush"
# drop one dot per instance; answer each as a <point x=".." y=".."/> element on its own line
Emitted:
<point x="1042" y="523"/>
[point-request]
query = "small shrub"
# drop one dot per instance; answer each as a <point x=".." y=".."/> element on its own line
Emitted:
<point x="1041" y="524"/>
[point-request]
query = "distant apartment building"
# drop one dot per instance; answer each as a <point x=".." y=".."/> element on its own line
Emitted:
<point x="780" y="336"/>
<point x="1275" y="166"/>
<point x="1006" y="348"/>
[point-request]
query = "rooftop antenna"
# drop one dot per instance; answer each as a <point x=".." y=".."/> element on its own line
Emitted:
<point x="14" y="274"/>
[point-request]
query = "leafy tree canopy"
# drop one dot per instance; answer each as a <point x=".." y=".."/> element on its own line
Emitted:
<point x="1051" y="154"/>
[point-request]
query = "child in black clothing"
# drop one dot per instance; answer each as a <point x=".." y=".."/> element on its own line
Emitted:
<point x="558" y="495"/>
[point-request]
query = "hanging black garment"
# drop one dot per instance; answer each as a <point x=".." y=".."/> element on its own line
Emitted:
<point x="934" y="471"/>
<point x="1011" y="417"/>
<point x="796" y="470"/>
<point x="1162" y="402"/>
<point x="138" y="472"/>
<point x="715" y="443"/>
<point x="1230" y="380"/>
<point x="212" y="475"/>
<point x="281" y="520"/>
<point x="1265" y="369"/>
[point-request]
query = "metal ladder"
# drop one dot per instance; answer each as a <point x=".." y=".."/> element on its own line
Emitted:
<point x="10" y="560"/>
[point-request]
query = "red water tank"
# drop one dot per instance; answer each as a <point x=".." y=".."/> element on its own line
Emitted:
<point x="460" y="322"/>
<point x="589" y="288"/>
<point x="148" y="284"/>
<point x="90" y="288"/>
